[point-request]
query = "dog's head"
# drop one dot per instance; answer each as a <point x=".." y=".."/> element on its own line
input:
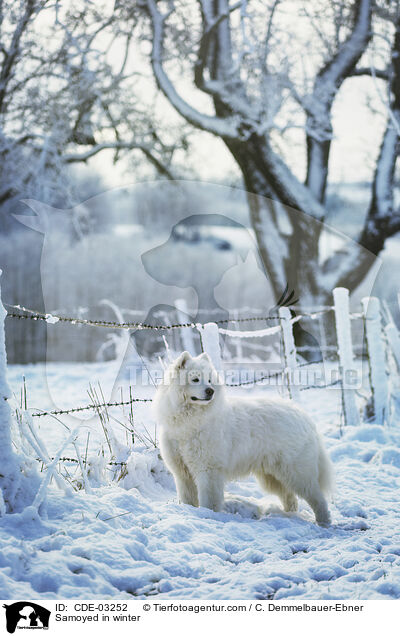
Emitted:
<point x="194" y="380"/>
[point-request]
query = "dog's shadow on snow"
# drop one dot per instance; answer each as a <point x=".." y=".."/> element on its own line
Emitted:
<point x="252" y="508"/>
<point x="246" y="507"/>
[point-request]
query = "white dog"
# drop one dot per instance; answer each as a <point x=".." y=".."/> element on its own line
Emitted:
<point x="208" y="438"/>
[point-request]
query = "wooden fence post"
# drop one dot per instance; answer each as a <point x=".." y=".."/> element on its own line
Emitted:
<point x="186" y="333"/>
<point x="239" y="344"/>
<point x="376" y="358"/>
<point x="345" y="350"/>
<point x="289" y="351"/>
<point x="210" y="339"/>
<point x="392" y="335"/>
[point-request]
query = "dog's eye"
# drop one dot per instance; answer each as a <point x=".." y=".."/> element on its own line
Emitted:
<point x="195" y="380"/>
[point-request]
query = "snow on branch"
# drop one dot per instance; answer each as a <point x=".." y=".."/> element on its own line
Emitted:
<point x="367" y="71"/>
<point x="222" y="127"/>
<point x="216" y="28"/>
<point x="327" y="83"/>
<point x="343" y="63"/>
<point x="120" y="145"/>
<point x="11" y="55"/>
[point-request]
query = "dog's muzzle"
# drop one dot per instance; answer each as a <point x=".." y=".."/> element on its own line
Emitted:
<point x="209" y="395"/>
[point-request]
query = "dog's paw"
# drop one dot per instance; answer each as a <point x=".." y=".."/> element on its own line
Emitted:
<point x="324" y="524"/>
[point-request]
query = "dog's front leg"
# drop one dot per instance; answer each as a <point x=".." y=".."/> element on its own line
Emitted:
<point x="186" y="488"/>
<point x="210" y="486"/>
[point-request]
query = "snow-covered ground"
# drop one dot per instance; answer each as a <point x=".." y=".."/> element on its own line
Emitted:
<point x="130" y="538"/>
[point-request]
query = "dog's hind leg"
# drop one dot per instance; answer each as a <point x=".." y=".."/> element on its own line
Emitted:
<point x="319" y="505"/>
<point x="271" y="484"/>
<point x="210" y="485"/>
<point x="289" y="501"/>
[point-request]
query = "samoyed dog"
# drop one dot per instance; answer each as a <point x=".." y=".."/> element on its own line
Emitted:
<point x="208" y="438"/>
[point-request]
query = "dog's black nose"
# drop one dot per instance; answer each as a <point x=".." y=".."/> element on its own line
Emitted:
<point x="209" y="391"/>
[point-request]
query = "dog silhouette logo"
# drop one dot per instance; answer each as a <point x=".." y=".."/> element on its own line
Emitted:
<point x="26" y="615"/>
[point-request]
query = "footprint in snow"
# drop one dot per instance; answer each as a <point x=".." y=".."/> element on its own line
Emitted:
<point x="242" y="506"/>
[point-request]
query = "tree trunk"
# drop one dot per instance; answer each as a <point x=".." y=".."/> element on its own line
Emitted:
<point x="288" y="244"/>
<point x="290" y="259"/>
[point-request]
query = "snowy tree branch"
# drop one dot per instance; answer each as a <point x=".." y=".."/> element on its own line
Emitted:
<point x="214" y="52"/>
<point x="222" y="127"/>
<point x="11" y="55"/>
<point x="367" y="71"/>
<point x="120" y="145"/>
<point x="326" y="86"/>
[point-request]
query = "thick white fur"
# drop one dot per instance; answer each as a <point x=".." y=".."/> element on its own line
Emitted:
<point x="205" y="444"/>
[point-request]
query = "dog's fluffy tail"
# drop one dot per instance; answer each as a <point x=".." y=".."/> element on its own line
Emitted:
<point x="325" y="471"/>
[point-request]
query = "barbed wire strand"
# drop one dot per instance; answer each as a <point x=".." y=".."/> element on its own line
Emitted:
<point x="53" y="319"/>
<point x="50" y="318"/>
<point x="73" y="460"/>
<point x="132" y="400"/>
<point x="88" y="407"/>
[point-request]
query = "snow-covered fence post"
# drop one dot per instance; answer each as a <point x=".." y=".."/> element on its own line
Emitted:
<point x="393" y="336"/>
<point x="376" y="358"/>
<point x="345" y="350"/>
<point x="209" y="334"/>
<point x="239" y="347"/>
<point x="186" y="334"/>
<point x="9" y="468"/>
<point x="289" y="351"/>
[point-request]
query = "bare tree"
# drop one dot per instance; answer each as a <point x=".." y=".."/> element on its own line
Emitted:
<point x="242" y="55"/>
<point x="67" y="95"/>
<point x="72" y="85"/>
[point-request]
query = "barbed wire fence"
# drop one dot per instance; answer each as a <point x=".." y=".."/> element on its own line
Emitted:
<point x="379" y="340"/>
<point x="29" y="314"/>
<point x="110" y="324"/>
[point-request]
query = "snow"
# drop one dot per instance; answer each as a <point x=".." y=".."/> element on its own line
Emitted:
<point x="257" y="333"/>
<point x="51" y="320"/>
<point x="129" y="538"/>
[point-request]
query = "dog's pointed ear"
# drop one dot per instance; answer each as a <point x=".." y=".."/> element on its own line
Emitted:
<point x="205" y="356"/>
<point x="180" y="362"/>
